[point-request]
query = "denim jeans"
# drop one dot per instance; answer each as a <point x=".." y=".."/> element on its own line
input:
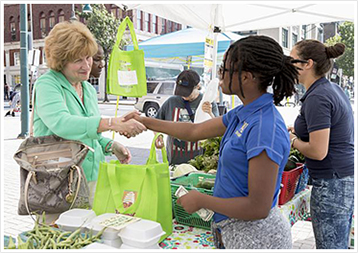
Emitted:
<point x="332" y="203"/>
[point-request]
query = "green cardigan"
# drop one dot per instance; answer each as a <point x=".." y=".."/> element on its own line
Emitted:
<point x="59" y="111"/>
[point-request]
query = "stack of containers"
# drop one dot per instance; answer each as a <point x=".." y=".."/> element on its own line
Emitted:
<point x="75" y="218"/>
<point x="110" y="235"/>
<point x="143" y="234"/>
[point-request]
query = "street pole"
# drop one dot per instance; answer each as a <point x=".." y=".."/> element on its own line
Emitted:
<point x="24" y="73"/>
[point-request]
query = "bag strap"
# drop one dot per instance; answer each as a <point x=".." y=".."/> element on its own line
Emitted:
<point x="33" y="174"/>
<point x="122" y="27"/>
<point x="117" y="193"/>
<point x="152" y="159"/>
<point x="188" y="108"/>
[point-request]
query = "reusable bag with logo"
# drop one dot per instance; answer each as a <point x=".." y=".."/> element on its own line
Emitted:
<point x="139" y="190"/>
<point x="126" y="70"/>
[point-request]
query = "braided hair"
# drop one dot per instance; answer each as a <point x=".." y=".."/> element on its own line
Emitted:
<point x="264" y="58"/>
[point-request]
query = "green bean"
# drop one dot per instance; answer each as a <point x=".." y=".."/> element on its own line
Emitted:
<point x="62" y="235"/>
<point x="54" y="246"/>
<point x="74" y="234"/>
<point x="11" y="244"/>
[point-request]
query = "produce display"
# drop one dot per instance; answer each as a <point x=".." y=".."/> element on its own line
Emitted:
<point x="209" y="159"/>
<point x="207" y="183"/>
<point x="43" y="236"/>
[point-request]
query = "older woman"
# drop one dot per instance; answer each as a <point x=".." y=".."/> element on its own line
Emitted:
<point x="66" y="104"/>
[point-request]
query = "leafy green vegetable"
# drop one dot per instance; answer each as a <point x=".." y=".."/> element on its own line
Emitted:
<point x="210" y="157"/>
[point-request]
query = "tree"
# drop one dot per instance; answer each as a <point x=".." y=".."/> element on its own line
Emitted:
<point x="103" y="26"/>
<point x="346" y="36"/>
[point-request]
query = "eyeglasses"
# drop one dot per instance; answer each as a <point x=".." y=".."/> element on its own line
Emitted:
<point x="299" y="61"/>
<point x="221" y="70"/>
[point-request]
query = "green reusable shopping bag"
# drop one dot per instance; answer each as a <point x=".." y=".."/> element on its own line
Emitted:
<point x="126" y="69"/>
<point x="139" y="190"/>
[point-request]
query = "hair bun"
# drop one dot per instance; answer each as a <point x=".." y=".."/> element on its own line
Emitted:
<point x="335" y="51"/>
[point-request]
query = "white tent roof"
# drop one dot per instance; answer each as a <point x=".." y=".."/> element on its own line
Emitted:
<point x="241" y="16"/>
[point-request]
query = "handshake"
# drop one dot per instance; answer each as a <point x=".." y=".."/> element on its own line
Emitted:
<point x="128" y="125"/>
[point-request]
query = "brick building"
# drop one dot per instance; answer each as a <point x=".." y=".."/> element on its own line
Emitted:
<point x="45" y="16"/>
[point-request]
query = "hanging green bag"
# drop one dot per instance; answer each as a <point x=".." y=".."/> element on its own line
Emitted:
<point x="139" y="190"/>
<point x="126" y="69"/>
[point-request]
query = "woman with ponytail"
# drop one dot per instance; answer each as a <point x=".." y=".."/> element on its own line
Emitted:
<point x="253" y="151"/>
<point x="324" y="134"/>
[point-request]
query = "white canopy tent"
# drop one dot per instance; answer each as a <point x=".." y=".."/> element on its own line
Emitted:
<point x="253" y="15"/>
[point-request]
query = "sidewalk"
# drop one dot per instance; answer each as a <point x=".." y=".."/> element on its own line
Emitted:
<point x="14" y="224"/>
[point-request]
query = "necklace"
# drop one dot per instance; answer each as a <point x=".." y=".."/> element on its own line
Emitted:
<point x="79" y="91"/>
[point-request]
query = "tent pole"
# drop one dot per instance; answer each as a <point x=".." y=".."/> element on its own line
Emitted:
<point x="215" y="49"/>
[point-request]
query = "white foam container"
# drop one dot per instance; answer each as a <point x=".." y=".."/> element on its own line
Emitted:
<point x="141" y="234"/>
<point x="97" y="245"/>
<point x="116" y="243"/>
<point x="108" y="233"/>
<point x="125" y="246"/>
<point x="74" y="218"/>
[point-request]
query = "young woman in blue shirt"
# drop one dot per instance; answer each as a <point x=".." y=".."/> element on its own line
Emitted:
<point x="324" y="134"/>
<point x="253" y="151"/>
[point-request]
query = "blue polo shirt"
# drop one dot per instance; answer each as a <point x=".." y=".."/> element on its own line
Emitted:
<point x="325" y="105"/>
<point x="250" y="130"/>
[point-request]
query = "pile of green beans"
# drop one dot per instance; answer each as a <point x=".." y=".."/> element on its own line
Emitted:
<point x="43" y="236"/>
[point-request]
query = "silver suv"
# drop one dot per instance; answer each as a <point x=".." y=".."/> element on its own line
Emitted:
<point x="157" y="93"/>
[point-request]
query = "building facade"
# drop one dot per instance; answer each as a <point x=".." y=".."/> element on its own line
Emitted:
<point x="43" y="17"/>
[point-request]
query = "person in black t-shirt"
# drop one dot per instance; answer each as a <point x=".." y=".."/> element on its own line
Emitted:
<point x="324" y="134"/>
<point x="182" y="108"/>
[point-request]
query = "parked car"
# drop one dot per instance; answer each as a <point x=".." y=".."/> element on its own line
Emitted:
<point x="157" y="93"/>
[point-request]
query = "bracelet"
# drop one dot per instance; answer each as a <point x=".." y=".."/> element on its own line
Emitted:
<point x="110" y="148"/>
<point x="110" y="122"/>
<point x="293" y="141"/>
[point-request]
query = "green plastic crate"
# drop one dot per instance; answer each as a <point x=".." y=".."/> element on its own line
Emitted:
<point x="189" y="182"/>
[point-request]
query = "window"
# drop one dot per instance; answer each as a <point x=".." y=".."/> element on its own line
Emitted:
<point x="61" y="16"/>
<point x="320" y="34"/>
<point x="29" y="27"/>
<point x="139" y="20"/>
<point x="146" y="22"/>
<point x="116" y="11"/>
<point x="167" y="88"/>
<point x="304" y="31"/>
<point x="95" y="83"/>
<point x="284" y="37"/>
<point x="154" y="24"/>
<point x="16" y="58"/>
<point x="168" y="26"/>
<point x="164" y="26"/>
<point x="151" y="86"/>
<point x="12" y="28"/>
<point x="51" y="20"/>
<point x="294" y="39"/>
<point x="43" y="25"/>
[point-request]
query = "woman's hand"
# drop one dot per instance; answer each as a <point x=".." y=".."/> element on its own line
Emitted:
<point x="159" y="143"/>
<point x="191" y="201"/>
<point x="291" y="131"/>
<point x="207" y="107"/>
<point x="127" y="125"/>
<point x="121" y="152"/>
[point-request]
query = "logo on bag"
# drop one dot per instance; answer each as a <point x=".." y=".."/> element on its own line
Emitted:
<point x="129" y="197"/>
<point x="126" y="76"/>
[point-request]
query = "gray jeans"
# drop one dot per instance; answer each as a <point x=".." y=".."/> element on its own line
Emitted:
<point x="273" y="232"/>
